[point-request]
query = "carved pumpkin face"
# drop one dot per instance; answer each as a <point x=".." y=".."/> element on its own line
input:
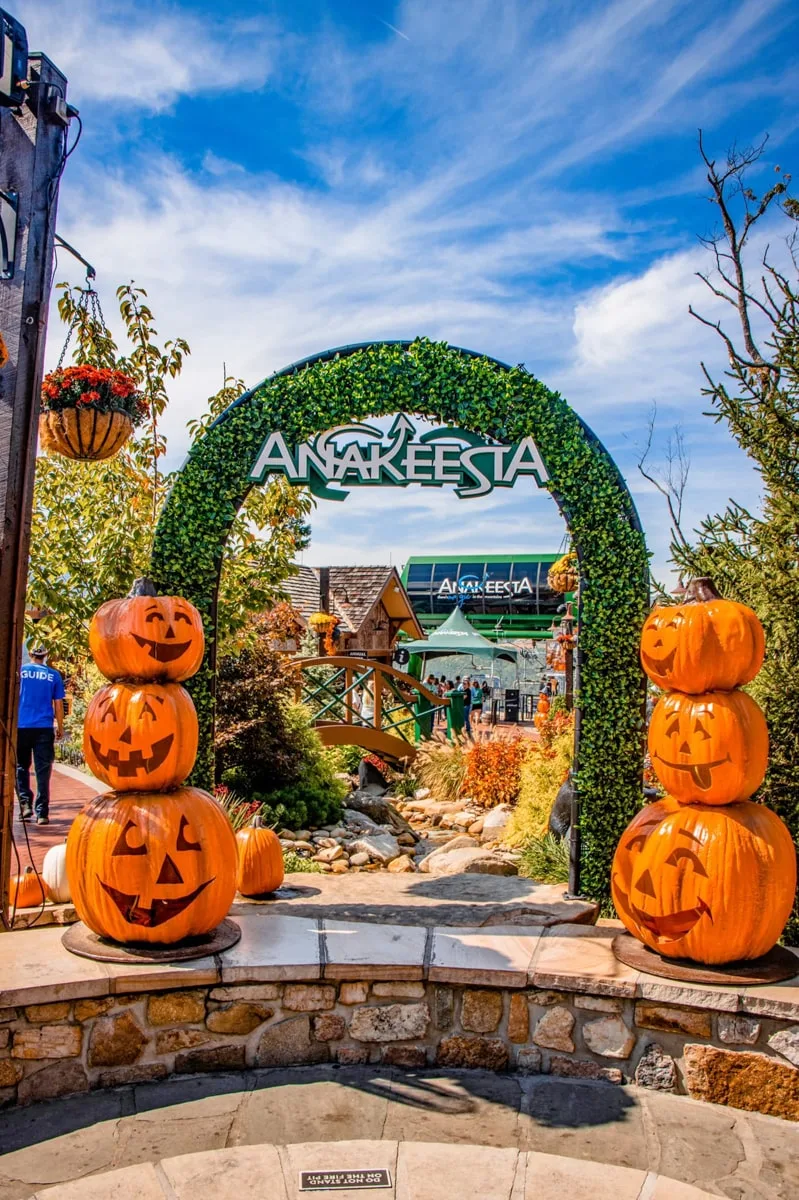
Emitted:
<point x="152" y="867"/>
<point x="701" y="647"/>
<point x="140" y="736"/>
<point x="147" y="637"/>
<point x="709" y="884"/>
<point x="709" y="749"/>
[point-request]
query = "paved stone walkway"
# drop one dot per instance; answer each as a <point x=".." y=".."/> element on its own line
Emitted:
<point x="69" y="791"/>
<point x="729" y="1153"/>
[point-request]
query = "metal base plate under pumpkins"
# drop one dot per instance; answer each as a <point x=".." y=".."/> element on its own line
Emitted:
<point x="80" y="940"/>
<point x="775" y="967"/>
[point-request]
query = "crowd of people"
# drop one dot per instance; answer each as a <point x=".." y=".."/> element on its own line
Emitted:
<point x="474" y="693"/>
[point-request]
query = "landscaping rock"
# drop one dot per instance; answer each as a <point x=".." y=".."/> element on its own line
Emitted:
<point x="481" y="1011"/>
<point x="403" y="863"/>
<point x="370" y="777"/>
<point x="176" y="1008"/>
<point x="656" y="1070"/>
<point x="47" y="1041"/>
<point x="340" y="866"/>
<point x="571" y="1068"/>
<point x="609" y="1037"/>
<point x="786" y="1043"/>
<point x="289" y="1043"/>
<point x="528" y="1061"/>
<point x="352" y="1056"/>
<point x="488" y="1053"/>
<point x="742" y="1079"/>
<point x="553" y="1031"/>
<point x="59" y="1079"/>
<point x="476" y="827"/>
<point x="238" y="1017"/>
<point x="399" y="989"/>
<point x="329" y="854"/>
<point x="466" y="861"/>
<point x="560" y="817"/>
<point x="494" y="823"/>
<point x="329" y="1027"/>
<point x="740" y="1031"/>
<point x="359" y="859"/>
<point x="85" y="1010"/>
<point x="382" y="847"/>
<point x="116" y="1041"/>
<point x="125" y="1076"/>
<point x="518" y="1018"/>
<point x="360" y="821"/>
<point x="211" y="1058"/>
<point x="170" y="1041"/>
<point x="444" y="1007"/>
<point x="353" y="993"/>
<point x="390" y="1023"/>
<point x="409" y="1057"/>
<point x="673" y="1020"/>
<point x="309" y="997"/>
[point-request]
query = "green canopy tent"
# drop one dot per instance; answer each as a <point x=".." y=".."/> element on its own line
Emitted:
<point x="457" y="636"/>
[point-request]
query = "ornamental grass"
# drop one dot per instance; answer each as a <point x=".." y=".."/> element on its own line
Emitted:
<point x="441" y="767"/>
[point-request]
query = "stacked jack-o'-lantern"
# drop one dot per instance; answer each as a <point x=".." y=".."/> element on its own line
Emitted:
<point x="151" y="861"/>
<point x="705" y="874"/>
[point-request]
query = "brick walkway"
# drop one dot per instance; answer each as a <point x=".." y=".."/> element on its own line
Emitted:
<point x="67" y="796"/>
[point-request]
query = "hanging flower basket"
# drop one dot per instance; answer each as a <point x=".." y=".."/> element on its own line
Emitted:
<point x="562" y="575"/>
<point x="88" y="413"/>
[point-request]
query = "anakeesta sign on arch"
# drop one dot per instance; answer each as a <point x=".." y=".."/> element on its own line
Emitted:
<point x="518" y="428"/>
<point x="363" y="456"/>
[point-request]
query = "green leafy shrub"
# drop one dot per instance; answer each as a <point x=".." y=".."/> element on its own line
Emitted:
<point x="404" y="784"/>
<point x="346" y="758"/>
<point x="545" y="859"/>
<point x="543" y="770"/>
<point x="293" y="863"/>
<point x="266" y="749"/>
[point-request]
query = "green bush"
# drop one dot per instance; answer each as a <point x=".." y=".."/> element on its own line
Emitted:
<point x="267" y="752"/>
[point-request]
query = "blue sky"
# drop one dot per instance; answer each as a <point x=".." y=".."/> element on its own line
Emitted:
<point x="520" y="178"/>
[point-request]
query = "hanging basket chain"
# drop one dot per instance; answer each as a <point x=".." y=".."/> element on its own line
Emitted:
<point x="89" y="304"/>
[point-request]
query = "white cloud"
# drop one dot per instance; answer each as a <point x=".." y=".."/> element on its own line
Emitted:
<point x="147" y="54"/>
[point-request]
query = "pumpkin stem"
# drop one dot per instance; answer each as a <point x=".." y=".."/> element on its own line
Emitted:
<point x="143" y="587"/>
<point x="258" y="822"/>
<point x="700" y="590"/>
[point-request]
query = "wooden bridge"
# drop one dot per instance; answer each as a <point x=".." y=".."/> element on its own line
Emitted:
<point x="360" y="702"/>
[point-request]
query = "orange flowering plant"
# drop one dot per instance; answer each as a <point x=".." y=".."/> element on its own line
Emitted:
<point x="85" y="386"/>
<point x="493" y="771"/>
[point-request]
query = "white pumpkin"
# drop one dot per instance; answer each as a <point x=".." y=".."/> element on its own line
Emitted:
<point x="54" y="874"/>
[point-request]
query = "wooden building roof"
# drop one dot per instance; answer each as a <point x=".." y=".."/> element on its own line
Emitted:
<point x="354" y="591"/>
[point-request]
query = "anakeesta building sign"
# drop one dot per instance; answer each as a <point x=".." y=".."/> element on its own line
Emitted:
<point x="364" y="456"/>
<point x="475" y="585"/>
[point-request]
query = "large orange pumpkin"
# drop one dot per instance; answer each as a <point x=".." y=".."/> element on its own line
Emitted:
<point x="147" y="636"/>
<point x="710" y="749"/>
<point x="714" y="885"/>
<point x="260" y="859"/>
<point x="150" y="867"/>
<point x="27" y="890"/>
<point x="704" y="644"/>
<point x="140" y="736"/>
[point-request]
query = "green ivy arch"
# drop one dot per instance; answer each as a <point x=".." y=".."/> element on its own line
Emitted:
<point x="455" y="387"/>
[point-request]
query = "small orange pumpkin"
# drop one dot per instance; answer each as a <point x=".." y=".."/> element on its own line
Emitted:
<point x="709" y="749"/>
<point x="714" y="885"/>
<point x="27" y="890"/>
<point x="702" y="645"/>
<point x="260" y="859"/>
<point x="147" y="636"/>
<point x="140" y="736"/>
<point x="148" y="867"/>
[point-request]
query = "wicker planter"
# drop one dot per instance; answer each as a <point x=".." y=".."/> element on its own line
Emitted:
<point x="86" y="434"/>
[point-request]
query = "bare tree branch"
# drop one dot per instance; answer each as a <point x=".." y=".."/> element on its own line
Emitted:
<point x="671" y="481"/>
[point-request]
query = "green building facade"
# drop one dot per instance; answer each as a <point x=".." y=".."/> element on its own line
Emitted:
<point x="504" y="596"/>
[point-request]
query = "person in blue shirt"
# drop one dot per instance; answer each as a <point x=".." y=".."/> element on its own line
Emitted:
<point x="41" y="697"/>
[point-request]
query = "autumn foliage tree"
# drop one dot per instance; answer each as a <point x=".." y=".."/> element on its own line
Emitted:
<point x="93" y="523"/>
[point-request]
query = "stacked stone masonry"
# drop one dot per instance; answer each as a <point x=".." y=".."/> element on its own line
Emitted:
<point x="298" y="991"/>
<point x="49" y="1050"/>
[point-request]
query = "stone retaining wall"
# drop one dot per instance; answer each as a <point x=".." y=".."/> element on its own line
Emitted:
<point x="72" y="1045"/>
